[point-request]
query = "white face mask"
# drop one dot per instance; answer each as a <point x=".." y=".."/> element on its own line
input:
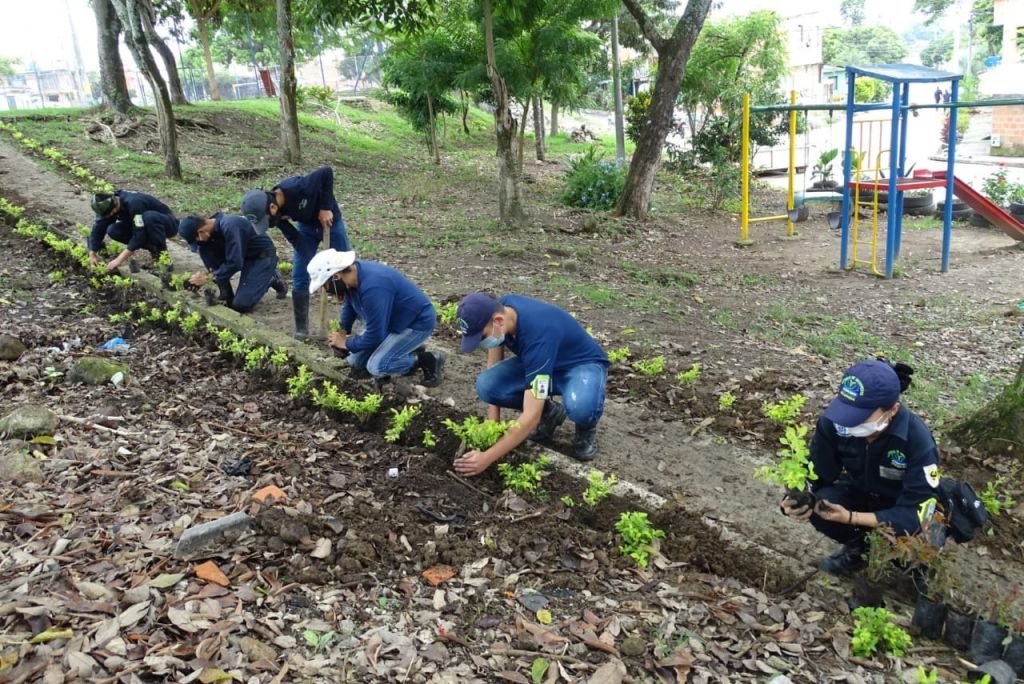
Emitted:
<point x="862" y="430"/>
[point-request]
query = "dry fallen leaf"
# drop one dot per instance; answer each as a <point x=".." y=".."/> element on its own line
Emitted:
<point x="273" y="492"/>
<point x="323" y="548"/>
<point x="211" y="573"/>
<point x="438" y="573"/>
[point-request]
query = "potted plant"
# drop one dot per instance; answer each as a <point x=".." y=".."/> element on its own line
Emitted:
<point x="822" y="171"/>
<point x="1014" y="656"/>
<point x="869" y="587"/>
<point x="933" y="580"/>
<point x="960" y="621"/>
<point x="989" y="636"/>
<point x="794" y="470"/>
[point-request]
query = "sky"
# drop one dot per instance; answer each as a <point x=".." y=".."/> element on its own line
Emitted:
<point x="40" y="30"/>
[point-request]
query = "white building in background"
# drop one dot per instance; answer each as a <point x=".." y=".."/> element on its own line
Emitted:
<point x="804" y="43"/>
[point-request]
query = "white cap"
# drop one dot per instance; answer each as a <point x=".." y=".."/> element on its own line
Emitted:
<point x="325" y="264"/>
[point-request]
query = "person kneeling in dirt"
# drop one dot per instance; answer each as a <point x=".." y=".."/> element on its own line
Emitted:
<point x="876" y="464"/>
<point x="554" y="356"/>
<point x="137" y="220"/>
<point x="398" y="317"/>
<point x="227" y="245"/>
<point x="309" y="201"/>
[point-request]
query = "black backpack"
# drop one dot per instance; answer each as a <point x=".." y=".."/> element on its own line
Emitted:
<point x="964" y="511"/>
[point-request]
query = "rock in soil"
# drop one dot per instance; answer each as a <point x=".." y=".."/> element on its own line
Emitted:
<point x="255" y="650"/>
<point x="29" y="420"/>
<point x="94" y="370"/>
<point x="633" y="647"/>
<point x="16" y="463"/>
<point x="11" y="348"/>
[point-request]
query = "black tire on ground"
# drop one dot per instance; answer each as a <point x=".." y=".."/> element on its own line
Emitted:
<point x="1017" y="208"/>
<point x="980" y="221"/>
<point x="927" y="210"/>
<point x="958" y="214"/>
<point x="869" y="196"/>
<point x="911" y="202"/>
<point x="957" y="206"/>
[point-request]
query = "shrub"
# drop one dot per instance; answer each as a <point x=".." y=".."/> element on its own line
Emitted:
<point x="639" y="536"/>
<point x="636" y="114"/>
<point x="688" y="378"/>
<point x="794" y="469"/>
<point x="525" y="477"/>
<point x="996" y="187"/>
<point x="598" y="487"/>
<point x="652" y="368"/>
<point x="784" y="411"/>
<point x="592" y="183"/>
<point x="399" y="421"/>
<point x="478" y="434"/>
<point x="873" y="629"/>
<point x="620" y="354"/>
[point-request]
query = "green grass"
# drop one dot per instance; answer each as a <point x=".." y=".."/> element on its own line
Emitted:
<point x="922" y="222"/>
<point x="662" y="276"/>
<point x="560" y="145"/>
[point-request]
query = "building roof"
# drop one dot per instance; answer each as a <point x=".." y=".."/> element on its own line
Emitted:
<point x="906" y="73"/>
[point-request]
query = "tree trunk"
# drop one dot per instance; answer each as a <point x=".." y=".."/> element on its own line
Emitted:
<point x="112" y="81"/>
<point x="999" y="425"/>
<point x="131" y="15"/>
<point x="433" y="129"/>
<point x="465" y="111"/>
<point x="554" y="118"/>
<point x="170" y="66"/>
<point x="510" y="208"/>
<point x="522" y="137"/>
<point x="673" y="54"/>
<point x="204" y="41"/>
<point x="289" y="111"/>
<point x="538" y="126"/>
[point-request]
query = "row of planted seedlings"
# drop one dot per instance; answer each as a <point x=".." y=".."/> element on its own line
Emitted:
<point x="640" y="539"/>
<point x="57" y="158"/>
<point x="941" y="610"/>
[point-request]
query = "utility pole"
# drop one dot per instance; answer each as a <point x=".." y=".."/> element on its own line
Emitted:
<point x="620" y="138"/>
<point x="79" y="69"/>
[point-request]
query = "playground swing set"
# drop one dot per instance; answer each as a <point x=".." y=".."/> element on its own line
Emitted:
<point x="891" y="178"/>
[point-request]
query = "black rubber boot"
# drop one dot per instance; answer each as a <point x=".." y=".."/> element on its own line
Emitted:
<point x="226" y="293"/>
<point x="847" y="560"/>
<point x="278" y="284"/>
<point x="584" y="446"/>
<point x="432" y="365"/>
<point x="300" y="307"/>
<point x="553" y="416"/>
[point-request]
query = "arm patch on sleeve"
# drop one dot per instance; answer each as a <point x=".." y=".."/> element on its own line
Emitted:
<point x="931" y="475"/>
<point x="541" y="386"/>
<point x="139" y="223"/>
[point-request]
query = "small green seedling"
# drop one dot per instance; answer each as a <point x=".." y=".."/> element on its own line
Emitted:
<point x="255" y="357"/>
<point x="568" y="501"/>
<point x="178" y="280"/>
<point x="284" y="267"/>
<point x="400" y="421"/>
<point x="447" y="313"/>
<point x="794" y="469"/>
<point x="651" y="368"/>
<point x="429" y="440"/>
<point x="598" y="487"/>
<point x="334" y="326"/>
<point x="52" y="374"/>
<point x="122" y="282"/>
<point x="688" y="378"/>
<point x="56" y="277"/>
<point x="279" y="359"/>
<point x="784" y="411"/>
<point x="726" y="400"/>
<point x="190" y="324"/>
<point x="164" y="263"/>
<point x="927" y="677"/>
<point x="477" y="434"/>
<point x="994" y="502"/>
<point x="317" y="641"/>
<point x="298" y="384"/>
<point x="639" y="535"/>
<point x="620" y="354"/>
<point x="873" y="630"/>
<point x="525" y="477"/>
<point x="330" y="397"/>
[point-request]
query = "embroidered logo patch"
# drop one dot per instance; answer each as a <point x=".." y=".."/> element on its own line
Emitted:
<point x="302" y="204"/>
<point x="897" y="459"/>
<point x="541" y="386"/>
<point x="463" y="326"/>
<point x="931" y="474"/>
<point x="138" y="221"/>
<point x="851" y="388"/>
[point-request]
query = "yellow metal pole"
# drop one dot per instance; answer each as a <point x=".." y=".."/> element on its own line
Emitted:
<point x="745" y="174"/>
<point x="790" y="197"/>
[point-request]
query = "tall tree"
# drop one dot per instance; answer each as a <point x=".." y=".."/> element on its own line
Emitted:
<point x="205" y="14"/>
<point x="999" y="425"/>
<point x="673" y="53"/>
<point x="112" y="80"/>
<point x="289" y="108"/>
<point x="510" y="205"/>
<point x="132" y="14"/>
<point x="149" y="21"/>
<point x="862" y="45"/>
<point x="7" y="65"/>
<point x="938" y="51"/>
<point x="852" y="11"/>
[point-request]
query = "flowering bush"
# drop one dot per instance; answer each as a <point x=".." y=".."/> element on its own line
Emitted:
<point x="996" y="187"/>
<point x="592" y="182"/>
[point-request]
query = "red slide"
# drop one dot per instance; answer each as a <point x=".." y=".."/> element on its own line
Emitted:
<point x="983" y="206"/>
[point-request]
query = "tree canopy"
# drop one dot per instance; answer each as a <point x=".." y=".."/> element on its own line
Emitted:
<point x="7" y="65"/>
<point x="938" y="51"/>
<point x="862" y="45"/>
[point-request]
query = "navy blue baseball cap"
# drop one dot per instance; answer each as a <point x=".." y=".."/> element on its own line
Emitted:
<point x="866" y="387"/>
<point x="475" y="312"/>
<point x="188" y="229"/>
<point x="256" y="208"/>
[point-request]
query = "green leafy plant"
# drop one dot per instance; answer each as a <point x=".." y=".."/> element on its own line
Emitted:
<point x="880" y="554"/>
<point x="56" y="277"/>
<point x="636" y="114"/>
<point x="317" y="641"/>
<point x="178" y="280"/>
<point x="51" y="374"/>
<point x="822" y="170"/>
<point x="538" y="669"/>
<point x="279" y="359"/>
<point x="926" y="676"/>
<point x="479" y="434"/>
<point x="688" y="378"/>
<point x="190" y="324"/>
<point x="173" y="315"/>
<point x="994" y="501"/>
<point x="873" y="630"/>
<point x="525" y="477"/>
<point x="164" y="263"/>
<point x="330" y="397"/>
<point x="255" y="357"/>
<point x="592" y="182"/>
<point x="639" y="536"/>
<point x="794" y="469"/>
<point x="285" y="267"/>
<point x="726" y="400"/>
<point x="121" y="282"/>
<point x="399" y="422"/>
<point x="446" y="313"/>
<point x="298" y="384"/>
<point x="226" y="339"/>
<point x="568" y="501"/>
<point x="651" y="368"/>
<point x="429" y="440"/>
<point x="784" y="411"/>
<point x="598" y="487"/>
<point x="997" y="187"/>
<point x="620" y="354"/>
<point x="334" y="326"/>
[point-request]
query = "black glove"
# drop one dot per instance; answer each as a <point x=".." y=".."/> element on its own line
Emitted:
<point x="902" y="370"/>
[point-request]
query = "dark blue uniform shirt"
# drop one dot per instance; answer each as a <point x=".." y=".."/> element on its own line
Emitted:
<point x="388" y="302"/>
<point x="898" y="471"/>
<point x="306" y="196"/>
<point x="237" y="240"/>
<point x="132" y="204"/>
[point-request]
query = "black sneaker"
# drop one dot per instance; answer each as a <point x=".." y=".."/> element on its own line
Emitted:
<point x="279" y="285"/>
<point x="847" y="560"/>
<point x="133" y="266"/>
<point x="432" y="365"/>
<point x="554" y="415"/>
<point x="584" y="446"/>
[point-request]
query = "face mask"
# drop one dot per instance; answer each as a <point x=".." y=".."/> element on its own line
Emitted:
<point x="492" y="342"/>
<point x="862" y="430"/>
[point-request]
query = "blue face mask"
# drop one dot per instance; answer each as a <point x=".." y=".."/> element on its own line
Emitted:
<point x="491" y="342"/>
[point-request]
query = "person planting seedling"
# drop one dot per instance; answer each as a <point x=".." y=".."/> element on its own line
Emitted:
<point x="137" y="220"/>
<point x="876" y="464"/>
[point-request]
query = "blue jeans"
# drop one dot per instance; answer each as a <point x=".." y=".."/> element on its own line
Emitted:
<point x="305" y="248"/>
<point x="581" y="389"/>
<point x="156" y="228"/>
<point x="254" y="280"/>
<point x="394" y="356"/>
